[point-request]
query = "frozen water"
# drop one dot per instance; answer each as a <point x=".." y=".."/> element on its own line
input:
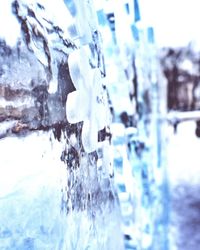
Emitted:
<point x="183" y="154"/>
<point x="89" y="91"/>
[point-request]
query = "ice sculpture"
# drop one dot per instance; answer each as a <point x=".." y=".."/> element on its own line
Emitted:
<point x="89" y="91"/>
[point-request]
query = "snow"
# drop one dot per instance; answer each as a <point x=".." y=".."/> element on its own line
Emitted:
<point x="177" y="116"/>
<point x="184" y="178"/>
<point x="183" y="154"/>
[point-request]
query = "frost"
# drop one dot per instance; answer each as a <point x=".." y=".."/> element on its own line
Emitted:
<point x="87" y="103"/>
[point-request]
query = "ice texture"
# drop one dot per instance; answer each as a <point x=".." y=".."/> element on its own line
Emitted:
<point x="56" y="182"/>
<point x="42" y="205"/>
<point x="89" y="91"/>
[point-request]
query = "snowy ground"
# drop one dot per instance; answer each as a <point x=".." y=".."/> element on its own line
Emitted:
<point x="184" y="180"/>
<point x="183" y="152"/>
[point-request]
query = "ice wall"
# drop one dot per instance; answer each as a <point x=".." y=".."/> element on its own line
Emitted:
<point x="137" y="96"/>
<point x="56" y="177"/>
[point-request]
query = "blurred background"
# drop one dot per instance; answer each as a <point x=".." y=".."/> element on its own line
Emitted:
<point x="162" y="45"/>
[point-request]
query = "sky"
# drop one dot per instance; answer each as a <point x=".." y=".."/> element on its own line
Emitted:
<point x="176" y="22"/>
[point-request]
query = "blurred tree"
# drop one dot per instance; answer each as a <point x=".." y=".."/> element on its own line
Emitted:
<point x="181" y="67"/>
